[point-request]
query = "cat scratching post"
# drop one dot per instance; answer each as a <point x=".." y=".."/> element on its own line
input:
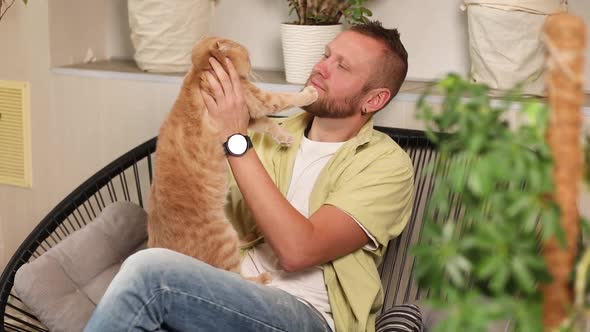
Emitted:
<point x="565" y="40"/>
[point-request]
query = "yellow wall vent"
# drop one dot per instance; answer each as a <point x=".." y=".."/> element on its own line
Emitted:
<point x="15" y="146"/>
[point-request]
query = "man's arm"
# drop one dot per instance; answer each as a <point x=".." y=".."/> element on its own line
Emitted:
<point x="298" y="242"/>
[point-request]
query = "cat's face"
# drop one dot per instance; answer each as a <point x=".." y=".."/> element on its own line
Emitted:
<point x="221" y="49"/>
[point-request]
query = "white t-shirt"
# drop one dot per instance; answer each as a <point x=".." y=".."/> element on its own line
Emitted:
<point x="308" y="284"/>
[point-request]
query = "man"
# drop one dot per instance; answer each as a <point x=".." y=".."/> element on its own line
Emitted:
<point x="326" y="208"/>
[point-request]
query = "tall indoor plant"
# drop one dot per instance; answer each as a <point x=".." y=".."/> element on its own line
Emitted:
<point x="318" y="22"/>
<point x="480" y="254"/>
<point x="502" y="232"/>
<point x="494" y="204"/>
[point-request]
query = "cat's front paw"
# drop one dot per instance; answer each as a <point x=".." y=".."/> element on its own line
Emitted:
<point x="264" y="278"/>
<point x="309" y="94"/>
<point x="283" y="138"/>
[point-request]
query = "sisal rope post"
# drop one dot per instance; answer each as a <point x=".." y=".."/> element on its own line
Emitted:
<point x="565" y="40"/>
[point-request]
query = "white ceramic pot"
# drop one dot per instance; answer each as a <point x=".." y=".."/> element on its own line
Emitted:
<point x="303" y="46"/>
<point x="163" y="32"/>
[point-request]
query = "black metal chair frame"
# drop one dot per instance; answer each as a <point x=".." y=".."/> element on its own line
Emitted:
<point x="129" y="177"/>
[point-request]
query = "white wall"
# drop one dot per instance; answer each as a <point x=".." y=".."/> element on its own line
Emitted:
<point x="23" y="32"/>
<point x="78" y="124"/>
<point x="118" y="40"/>
<point x="74" y="27"/>
<point x="433" y="31"/>
<point x="435" y="39"/>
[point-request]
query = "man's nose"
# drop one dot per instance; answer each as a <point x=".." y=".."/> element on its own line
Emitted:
<point x="322" y="68"/>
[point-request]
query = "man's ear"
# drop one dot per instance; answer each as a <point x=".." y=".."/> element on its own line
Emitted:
<point x="377" y="98"/>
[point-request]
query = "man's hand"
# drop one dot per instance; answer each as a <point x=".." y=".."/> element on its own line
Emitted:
<point x="226" y="106"/>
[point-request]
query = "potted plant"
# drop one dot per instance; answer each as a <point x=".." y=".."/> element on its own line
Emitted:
<point x="164" y="32"/>
<point x="479" y="255"/>
<point x="502" y="231"/>
<point x="506" y="43"/>
<point x="318" y="22"/>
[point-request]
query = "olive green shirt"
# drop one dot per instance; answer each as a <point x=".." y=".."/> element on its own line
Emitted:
<point x="371" y="178"/>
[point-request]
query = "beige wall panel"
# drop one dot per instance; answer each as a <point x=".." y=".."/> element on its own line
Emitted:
<point x="76" y="26"/>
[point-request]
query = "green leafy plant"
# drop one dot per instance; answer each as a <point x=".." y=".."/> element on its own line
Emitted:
<point x="327" y="12"/>
<point x="6" y="4"/>
<point x="480" y="250"/>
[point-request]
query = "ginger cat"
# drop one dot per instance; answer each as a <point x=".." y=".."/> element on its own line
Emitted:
<point x="188" y="193"/>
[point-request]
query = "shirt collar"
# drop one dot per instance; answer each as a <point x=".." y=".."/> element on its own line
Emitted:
<point x="300" y="121"/>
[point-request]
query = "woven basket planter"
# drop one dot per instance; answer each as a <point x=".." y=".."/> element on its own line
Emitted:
<point x="505" y="42"/>
<point x="164" y="32"/>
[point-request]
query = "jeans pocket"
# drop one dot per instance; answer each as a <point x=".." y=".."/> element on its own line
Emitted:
<point x="316" y="312"/>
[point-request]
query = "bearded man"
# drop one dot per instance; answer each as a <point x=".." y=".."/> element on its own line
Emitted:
<point x="326" y="208"/>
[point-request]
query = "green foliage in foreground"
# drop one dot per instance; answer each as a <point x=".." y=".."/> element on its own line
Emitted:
<point x="480" y="249"/>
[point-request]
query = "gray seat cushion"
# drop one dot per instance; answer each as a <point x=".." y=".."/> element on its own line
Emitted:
<point x="63" y="286"/>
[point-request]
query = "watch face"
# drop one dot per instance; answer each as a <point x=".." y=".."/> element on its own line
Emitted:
<point x="237" y="144"/>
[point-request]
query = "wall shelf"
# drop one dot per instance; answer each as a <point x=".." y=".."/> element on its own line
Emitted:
<point x="270" y="80"/>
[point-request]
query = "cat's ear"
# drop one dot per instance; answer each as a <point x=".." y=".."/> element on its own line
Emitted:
<point x="219" y="56"/>
<point x="221" y="46"/>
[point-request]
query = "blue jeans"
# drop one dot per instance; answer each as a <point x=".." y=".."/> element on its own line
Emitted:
<point x="161" y="290"/>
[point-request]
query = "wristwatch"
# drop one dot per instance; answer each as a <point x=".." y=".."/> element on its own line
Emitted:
<point x="237" y="145"/>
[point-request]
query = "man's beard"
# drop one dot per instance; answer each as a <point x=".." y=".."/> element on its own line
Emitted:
<point x="330" y="108"/>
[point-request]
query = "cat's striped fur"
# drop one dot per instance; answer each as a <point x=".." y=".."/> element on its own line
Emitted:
<point x="186" y="204"/>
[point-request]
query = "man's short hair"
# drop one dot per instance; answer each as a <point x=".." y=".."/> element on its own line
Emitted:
<point x="394" y="67"/>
